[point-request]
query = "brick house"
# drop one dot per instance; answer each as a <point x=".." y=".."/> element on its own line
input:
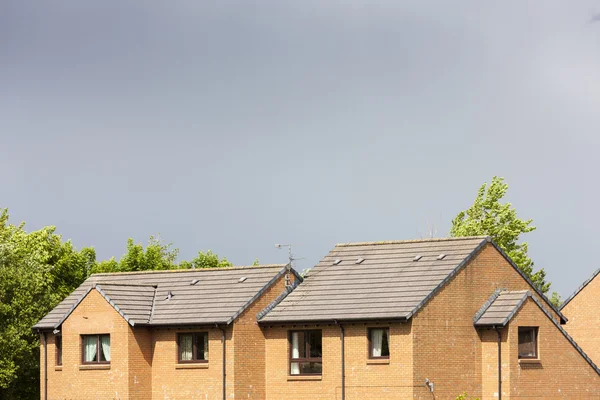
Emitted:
<point x="185" y="334"/>
<point x="584" y="319"/>
<point x="424" y="319"/>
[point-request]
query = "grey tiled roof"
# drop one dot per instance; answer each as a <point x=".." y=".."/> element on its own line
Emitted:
<point x="388" y="284"/>
<point x="501" y="307"/>
<point x="218" y="296"/>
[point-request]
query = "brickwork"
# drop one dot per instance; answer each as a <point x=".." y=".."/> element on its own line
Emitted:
<point x="561" y="373"/>
<point x="584" y="319"/>
<point x="249" y="347"/>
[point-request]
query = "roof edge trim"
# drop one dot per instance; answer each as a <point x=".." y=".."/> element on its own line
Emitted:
<point x="447" y="239"/>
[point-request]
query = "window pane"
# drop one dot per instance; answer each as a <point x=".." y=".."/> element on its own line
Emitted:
<point x="295" y="368"/>
<point x="527" y="343"/>
<point x="385" y="344"/>
<point x="314" y="344"/>
<point x="202" y="346"/>
<point x="376" y="342"/>
<point x="58" y="344"/>
<point x="105" y="347"/>
<point x="185" y="347"/>
<point x="298" y="345"/>
<point x="311" y="367"/>
<point x="89" y="348"/>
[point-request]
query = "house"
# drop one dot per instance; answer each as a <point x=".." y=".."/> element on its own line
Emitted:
<point x="185" y="334"/>
<point x="424" y="319"/>
<point x="584" y="319"/>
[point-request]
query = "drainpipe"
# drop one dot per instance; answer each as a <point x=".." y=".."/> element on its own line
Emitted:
<point x="343" y="332"/>
<point x="224" y="362"/>
<point x="45" y="365"/>
<point x="499" y="332"/>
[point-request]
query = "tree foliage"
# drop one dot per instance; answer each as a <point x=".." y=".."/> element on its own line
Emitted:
<point x="37" y="271"/>
<point x="488" y="216"/>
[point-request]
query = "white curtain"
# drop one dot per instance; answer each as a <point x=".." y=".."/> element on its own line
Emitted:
<point x="185" y="347"/>
<point x="295" y="368"/>
<point x="377" y="341"/>
<point x="206" y="346"/>
<point x="90" y="348"/>
<point x="105" y="342"/>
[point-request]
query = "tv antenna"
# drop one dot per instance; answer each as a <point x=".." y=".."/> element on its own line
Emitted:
<point x="288" y="267"/>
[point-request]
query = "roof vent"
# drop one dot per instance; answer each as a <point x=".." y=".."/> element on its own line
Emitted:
<point x="336" y="262"/>
<point x="169" y="295"/>
<point x="441" y="256"/>
<point x="359" y="261"/>
<point x="242" y="279"/>
<point x="194" y="281"/>
<point x="417" y="258"/>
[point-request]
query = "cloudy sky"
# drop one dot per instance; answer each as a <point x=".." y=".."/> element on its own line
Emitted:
<point x="235" y="125"/>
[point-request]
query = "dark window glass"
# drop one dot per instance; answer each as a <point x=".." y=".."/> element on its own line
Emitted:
<point x="528" y="342"/>
<point x="192" y="347"/>
<point x="58" y="344"/>
<point x="306" y="352"/>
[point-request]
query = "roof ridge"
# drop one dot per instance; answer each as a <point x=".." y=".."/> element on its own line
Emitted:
<point x="189" y="270"/>
<point x="101" y="283"/>
<point x="382" y="242"/>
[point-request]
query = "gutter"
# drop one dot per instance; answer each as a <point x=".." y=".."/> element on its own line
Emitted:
<point x="343" y="334"/>
<point x="224" y="362"/>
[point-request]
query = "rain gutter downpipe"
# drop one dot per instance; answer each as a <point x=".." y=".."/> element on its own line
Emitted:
<point x="499" y="332"/>
<point x="343" y="361"/>
<point x="224" y="362"/>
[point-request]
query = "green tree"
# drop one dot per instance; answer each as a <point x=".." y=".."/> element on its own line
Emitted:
<point x="488" y="216"/>
<point x="206" y="260"/>
<point x="37" y="270"/>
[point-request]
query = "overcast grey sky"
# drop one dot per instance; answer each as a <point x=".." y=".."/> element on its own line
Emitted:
<point x="235" y="125"/>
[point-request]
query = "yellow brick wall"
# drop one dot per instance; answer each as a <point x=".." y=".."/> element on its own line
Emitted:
<point x="93" y="316"/>
<point x="249" y="347"/>
<point x="561" y="374"/>
<point x="190" y="381"/>
<point x="584" y="319"/>
<point x="364" y="380"/>
<point x="448" y="349"/>
<point x="140" y="364"/>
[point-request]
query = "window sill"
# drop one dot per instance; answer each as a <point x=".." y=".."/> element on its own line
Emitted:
<point x="305" y="377"/>
<point x="530" y="361"/>
<point x="192" y="366"/>
<point x="375" y="361"/>
<point x="94" y="367"/>
<point x="58" y="367"/>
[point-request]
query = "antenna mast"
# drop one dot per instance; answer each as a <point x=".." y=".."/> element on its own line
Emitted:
<point x="288" y="267"/>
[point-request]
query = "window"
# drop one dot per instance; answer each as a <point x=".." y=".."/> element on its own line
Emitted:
<point x="379" y="346"/>
<point x="528" y="342"/>
<point x="58" y="345"/>
<point x="192" y="347"/>
<point x="95" y="349"/>
<point x="306" y="352"/>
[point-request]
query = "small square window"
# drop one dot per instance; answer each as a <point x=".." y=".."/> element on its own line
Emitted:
<point x="58" y="345"/>
<point x="528" y="342"/>
<point x="379" y="343"/>
<point x="306" y="350"/>
<point x="192" y="347"/>
<point x="95" y="349"/>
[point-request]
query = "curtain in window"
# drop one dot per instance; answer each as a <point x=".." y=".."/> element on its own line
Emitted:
<point x="105" y="343"/>
<point x="185" y="347"/>
<point x="90" y="348"/>
<point x="377" y="341"/>
<point x="295" y="368"/>
<point x="206" y="346"/>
